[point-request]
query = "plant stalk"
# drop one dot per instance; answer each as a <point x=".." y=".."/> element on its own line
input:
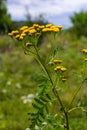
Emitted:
<point x="62" y="106"/>
<point x="75" y="93"/>
<point x="43" y="66"/>
<point x="53" y="89"/>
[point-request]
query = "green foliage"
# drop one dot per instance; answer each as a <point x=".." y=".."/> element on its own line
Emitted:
<point x="53" y="80"/>
<point x="41" y="105"/>
<point x="17" y="71"/>
<point x="5" y="20"/>
<point x="79" y="21"/>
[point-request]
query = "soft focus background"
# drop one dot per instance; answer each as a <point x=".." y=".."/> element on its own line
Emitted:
<point x="54" y="11"/>
<point x="19" y="72"/>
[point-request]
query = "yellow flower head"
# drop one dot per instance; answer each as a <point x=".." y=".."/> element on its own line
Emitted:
<point x="41" y="26"/>
<point x="30" y="28"/>
<point x="14" y="32"/>
<point x="32" y="31"/>
<point x="63" y="69"/>
<point x="23" y="34"/>
<point x="84" y="50"/>
<point x="64" y="79"/>
<point x="60" y="68"/>
<point x="21" y="37"/>
<point x="10" y="34"/>
<point x="25" y="31"/>
<point x="23" y="28"/>
<point x="53" y="26"/>
<point x="48" y="25"/>
<point x="17" y="36"/>
<point x="35" y="25"/>
<point x="85" y="59"/>
<point x="56" y="29"/>
<point x="57" y="61"/>
<point x="47" y="30"/>
<point x="57" y="68"/>
<point x="28" y="44"/>
<point x="60" y="27"/>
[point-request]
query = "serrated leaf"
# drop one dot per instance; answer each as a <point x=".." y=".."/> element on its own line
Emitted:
<point x="42" y="115"/>
<point x="43" y="99"/>
<point x="38" y="101"/>
<point x="32" y="125"/>
<point x="43" y="81"/>
<point x="32" y="114"/>
<point x="39" y="120"/>
<point x="46" y="107"/>
<point x="35" y="106"/>
<point x="31" y="119"/>
<point x="48" y="96"/>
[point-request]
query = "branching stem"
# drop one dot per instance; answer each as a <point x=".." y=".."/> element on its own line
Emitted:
<point x="75" y="93"/>
<point x="53" y="88"/>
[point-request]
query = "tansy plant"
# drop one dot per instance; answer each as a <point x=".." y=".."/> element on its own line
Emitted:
<point x="42" y="117"/>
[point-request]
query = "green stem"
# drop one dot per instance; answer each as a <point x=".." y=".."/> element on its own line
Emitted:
<point x="53" y="89"/>
<point x="43" y="66"/>
<point x="65" y="112"/>
<point x="56" y="94"/>
<point x="67" y="121"/>
<point x="74" y="109"/>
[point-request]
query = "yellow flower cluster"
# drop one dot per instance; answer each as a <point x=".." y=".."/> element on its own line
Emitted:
<point x="59" y="67"/>
<point x="14" y="32"/>
<point x="34" y="30"/>
<point x="51" y="28"/>
<point x="62" y="68"/>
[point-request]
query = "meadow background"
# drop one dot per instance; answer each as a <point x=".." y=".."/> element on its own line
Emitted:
<point x="19" y="72"/>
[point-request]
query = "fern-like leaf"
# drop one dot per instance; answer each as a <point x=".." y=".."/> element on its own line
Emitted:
<point x="38" y="101"/>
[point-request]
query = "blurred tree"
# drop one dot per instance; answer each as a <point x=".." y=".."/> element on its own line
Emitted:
<point x="79" y="21"/>
<point x="41" y="20"/>
<point x="29" y="20"/>
<point x="5" y="20"/>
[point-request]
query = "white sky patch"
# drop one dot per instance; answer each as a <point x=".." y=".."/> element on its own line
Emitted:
<point x="17" y="8"/>
<point x="16" y="11"/>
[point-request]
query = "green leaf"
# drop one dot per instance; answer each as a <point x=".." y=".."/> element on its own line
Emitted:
<point x="31" y="114"/>
<point x="35" y="106"/>
<point x="40" y="121"/>
<point x="42" y="115"/>
<point x="38" y="101"/>
<point x="48" y="96"/>
<point x="43" y="99"/>
<point x="46" y="107"/>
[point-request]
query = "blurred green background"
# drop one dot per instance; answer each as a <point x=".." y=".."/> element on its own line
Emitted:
<point x="19" y="72"/>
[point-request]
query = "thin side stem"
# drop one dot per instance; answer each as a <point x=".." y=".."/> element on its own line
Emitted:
<point x="56" y="94"/>
<point x="43" y="66"/>
<point x="67" y="121"/>
<point x="74" y="109"/>
<point x="65" y="112"/>
<point x="76" y="92"/>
